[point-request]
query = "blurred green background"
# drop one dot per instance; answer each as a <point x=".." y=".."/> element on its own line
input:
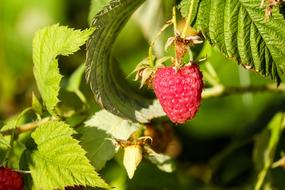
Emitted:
<point x="219" y="138"/>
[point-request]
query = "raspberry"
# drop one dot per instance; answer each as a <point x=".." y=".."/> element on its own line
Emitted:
<point x="10" y="180"/>
<point x="179" y="92"/>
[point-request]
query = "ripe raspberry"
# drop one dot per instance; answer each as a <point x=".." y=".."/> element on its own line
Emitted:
<point x="10" y="180"/>
<point x="179" y="92"/>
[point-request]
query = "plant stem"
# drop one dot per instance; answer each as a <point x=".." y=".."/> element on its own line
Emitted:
<point x="183" y="35"/>
<point x="174" y="31"/>
<point x="174" y="19"/>
<point x="220" y="90"/>
<point x="26" y="127"/>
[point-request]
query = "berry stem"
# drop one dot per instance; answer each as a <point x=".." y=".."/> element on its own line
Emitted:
<point x="176" y="62"/>
<point x="183" y="35"/>
<point x="26" y="127"/>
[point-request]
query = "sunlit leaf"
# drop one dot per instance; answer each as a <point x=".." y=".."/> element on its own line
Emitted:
<point x="37" y="106"/>
<point x="75" y="79"/>
<point x="48" y="43"/>
<point x="4" y="141"/>
<point x="115" y="126"/>
<point x="58" y="160"/>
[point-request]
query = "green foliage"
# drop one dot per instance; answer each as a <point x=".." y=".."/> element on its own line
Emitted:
<point x="74" y="82"/>
<point x="184" y="7"/>
<point x="4" y="141"/>
<point x="100" y="147"/>
<point x="240" y="31"/>
<point x="95" y="7"/>
<point x="265" y="147"/>
<point x="162" y="161"/>
<point x="37" y="106"/>
<point x="58" y="160"/>
<point x="67" y="149"/>
<point x="111" y="90"/>
<point x="115" y="126"/>
<point x="75" y="79"/>
<point x="48" y="43"/>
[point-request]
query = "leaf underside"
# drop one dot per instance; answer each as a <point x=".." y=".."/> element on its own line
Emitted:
<point x="113" y="125"/>
<point x="107" y="83"/>
<point x="99" y="146"/>
<point x="238" y="28"/>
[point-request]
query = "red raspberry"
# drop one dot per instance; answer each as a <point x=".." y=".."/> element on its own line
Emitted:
<point x="179" y="92"/>
<point x="10" y="180"/>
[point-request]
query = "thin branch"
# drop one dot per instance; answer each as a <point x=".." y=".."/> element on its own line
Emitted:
<point x="26" y="127"/>
<point x="220" y="90"/>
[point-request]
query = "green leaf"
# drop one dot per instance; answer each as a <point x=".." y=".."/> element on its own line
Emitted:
<point x="95" y="7"/>
<point x="239" y="30"/>
<point x="265" y="147"/>
<point x="48" y="43"/>
<point x="115" y="126"/>
<point x="59" y="161"/>
<point x="4" y="141"/>
<point x="184" y="7"/>
<point x="111" y="89"/>
<point x="99" y="145"/>
<point x="149" y="18"/>
<point x="36" y="105"/>
<point x="74" y="82"/>
<point x="75" y="79"/>
<point x="162" y="161"/>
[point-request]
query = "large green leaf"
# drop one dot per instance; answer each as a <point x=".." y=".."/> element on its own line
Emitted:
<point x="48" y="43"/>
<point x="99" y="145"/>
<point x="107" y="83"/>
<point x="113" y="125"/>
<point x="238" y="28"/>
<point x="59" y="161"/>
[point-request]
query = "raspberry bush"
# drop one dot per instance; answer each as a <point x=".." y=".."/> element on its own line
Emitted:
<point x="126" y="113"/>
